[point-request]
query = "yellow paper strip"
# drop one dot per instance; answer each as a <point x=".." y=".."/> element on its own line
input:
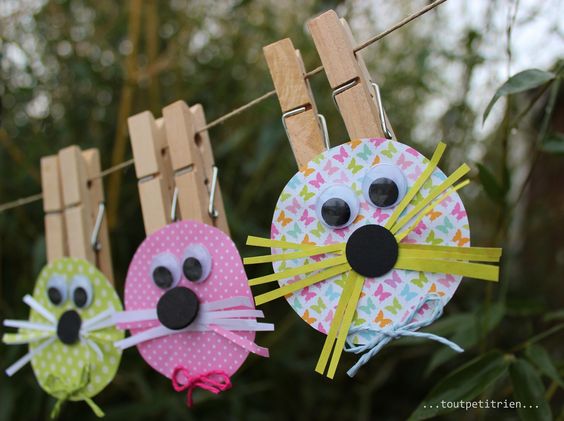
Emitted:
<point x="455" y="254"/>
<point x="335" y="323"/>
<point x="490" y="252"/>
<point x="302" y="283"/>
<point x="267" y="242"/>
<point x="453" y="178"/>
<point x="295" y="255"/>
<point x="334" y="261"/>
<point x="345" y="326"/>
<point x="417" y="185"/>
<point x="473" y="270"/>
<point x="429" y="208"/>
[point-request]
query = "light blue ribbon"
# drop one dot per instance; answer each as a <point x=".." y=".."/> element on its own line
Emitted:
<point x="406" y="328"/>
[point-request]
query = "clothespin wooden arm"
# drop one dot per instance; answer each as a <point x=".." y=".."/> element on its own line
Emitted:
<point x="152" y="167"/>
<point x="192" y="164"/>
<point x="351" y="87"/>
<point x="81" y="195"/>
<point x="102" y="249"/>
<point x="55" y="231"/>
<point x="299" y="112"/>
<point x="76" y="199"/>
<point x="387" y="130"/>
<point x="202" y="140"/>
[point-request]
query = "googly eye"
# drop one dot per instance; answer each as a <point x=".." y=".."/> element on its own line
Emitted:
<point x="57" y="290"/>
<point x="337" y="206"/>
<point x="165" y="271"/>
<point x="196" y="263"/>
<point x="81" y="291"/>
<point x="384" y="185"/>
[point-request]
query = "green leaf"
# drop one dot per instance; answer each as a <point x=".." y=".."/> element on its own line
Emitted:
<point x="540" y="357"/>
<point x="467" y="334"/>
<point x="463" y="384"/>
<point x="493" y="189"/>
<point x="554" y="143"/>
<point x="528" y="390"/>
<point x="522" y="81"/>
<point x="554" y="315"/>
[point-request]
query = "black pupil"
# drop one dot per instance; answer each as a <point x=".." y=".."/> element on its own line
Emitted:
<point x="383" y="192"/>
<point x="162" y="277"/>
<point x="336" y="212"/>
<point x="192" y="269"/>
<point x="55" y="295"/>
<point x="80" y="297"/>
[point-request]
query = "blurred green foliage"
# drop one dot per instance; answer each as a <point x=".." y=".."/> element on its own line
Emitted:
<point x="73" y="70"/>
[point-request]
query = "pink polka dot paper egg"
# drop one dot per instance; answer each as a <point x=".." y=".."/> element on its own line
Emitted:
<point x="178" y="271"/>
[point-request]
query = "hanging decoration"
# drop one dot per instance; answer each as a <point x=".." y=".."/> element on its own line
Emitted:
<point x="69" y="332"/>
<point x="189" y="308"/>
<point x="369" y="241"/>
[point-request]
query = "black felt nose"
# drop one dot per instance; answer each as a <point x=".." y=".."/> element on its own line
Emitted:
<point x="177" y="308"/>
<point x="372" y="251"/>
<point x="68" y="327"/>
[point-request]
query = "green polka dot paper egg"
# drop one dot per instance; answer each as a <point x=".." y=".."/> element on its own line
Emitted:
<point x="70" y="330"/>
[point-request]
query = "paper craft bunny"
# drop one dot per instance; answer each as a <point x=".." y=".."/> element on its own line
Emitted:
<point x="69" y="332"/>
<point x="189" y="308"/>
<point x="369" y="241"/>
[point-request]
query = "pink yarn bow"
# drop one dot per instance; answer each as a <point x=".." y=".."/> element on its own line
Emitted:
<point x="203" y="381"/>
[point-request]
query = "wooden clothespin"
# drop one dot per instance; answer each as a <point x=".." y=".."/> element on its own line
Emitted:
<point x="357" y="98"/>
<point x="152" y="167"/>
<point x="174" y="163"/>
<point x="299" y="112"/>
<point x="55" y="230"/>
<point x="73" y="203"/>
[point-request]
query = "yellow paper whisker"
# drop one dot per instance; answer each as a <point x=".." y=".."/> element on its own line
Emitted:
<point x="334" y="261"/>
<point x="452" y="253"/>
<point x="472" y="270"/>
<point x="431" y="165"/>
<point x="302" y="283"/>
<point x="345" y="325"/>
<point x="453" y="178"/>
<point x="493" y="252"/>
<point x="294" y="255"/>
<point x="429" y="208"/>
<point x="336" y="323"/>
<point x="267" y="242"/>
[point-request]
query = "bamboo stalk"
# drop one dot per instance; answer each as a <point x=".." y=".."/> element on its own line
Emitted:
<point x="124" y="110"/>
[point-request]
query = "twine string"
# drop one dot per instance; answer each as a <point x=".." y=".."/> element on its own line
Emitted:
<point x="37" y="197"/>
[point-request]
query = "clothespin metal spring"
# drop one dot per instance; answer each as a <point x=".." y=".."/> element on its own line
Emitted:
<point x="94" y="242"/>
<point x="213" y="212"/>
<point x="378" y="99"/>
<point x="321" y="119"/>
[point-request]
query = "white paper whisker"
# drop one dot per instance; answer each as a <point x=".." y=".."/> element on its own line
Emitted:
<point x="10" y="371"/>
<point x="34" y="304"/>
<point x="211" y="313"/>
<point x="28" y="340"/>
<point x="227" y="303"/>
<point x="95" y="347"/>
<point x="91" y="323"/>
<point x="25" y="324"/>
<point x="153" y="333"/>
<point x="229" y="314"/>
<point x="202" y="324"/>
<point x="132" y="316"/>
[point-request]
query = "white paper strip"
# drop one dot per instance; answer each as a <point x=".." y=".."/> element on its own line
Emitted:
<point x="10" y="371"/>
<point x="34" y="304"/>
